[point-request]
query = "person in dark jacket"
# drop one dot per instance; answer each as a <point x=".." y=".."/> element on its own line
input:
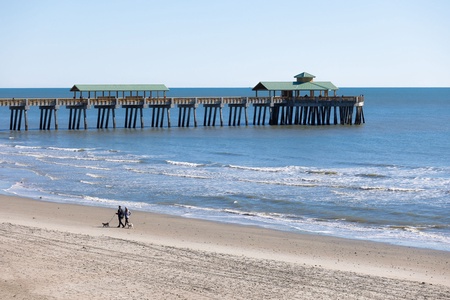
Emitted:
<point x="120" y="214"/>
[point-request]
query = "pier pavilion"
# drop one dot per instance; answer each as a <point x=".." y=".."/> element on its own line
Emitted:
<point x="304" y="84"/>
<point x="300" y="102"/>
<point x="306" y="101"/>
<point x="105" y="100"/>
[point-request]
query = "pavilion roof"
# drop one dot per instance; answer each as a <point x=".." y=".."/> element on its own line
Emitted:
<point x="294" y="86"/>
<point x="119" y="88"/>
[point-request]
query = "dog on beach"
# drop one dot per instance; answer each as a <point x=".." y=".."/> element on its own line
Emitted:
<point x="130" y="225"/>
<point x="105" y="224"/>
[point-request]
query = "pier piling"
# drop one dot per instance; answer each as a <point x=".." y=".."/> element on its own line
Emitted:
<point x="185" y="105"/>
<point x="236" y="107"/>
<point x="75" y="117"/>
<point x="46" y="117"/>
<point x="131" y="115"/>
<point x="159" y="112"/>
<point x="16" y="118"/>
<point x="105" y="112"/>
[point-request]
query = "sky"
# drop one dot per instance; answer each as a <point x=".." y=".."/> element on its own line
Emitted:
<point x="224" y="43"/>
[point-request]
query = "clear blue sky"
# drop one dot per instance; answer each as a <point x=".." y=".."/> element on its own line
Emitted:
<point x="230" y="43"/>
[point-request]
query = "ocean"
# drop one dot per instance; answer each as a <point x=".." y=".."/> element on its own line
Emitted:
<point x="387" y="180"/>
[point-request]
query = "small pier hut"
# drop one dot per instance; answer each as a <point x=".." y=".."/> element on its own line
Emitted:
<point x="308" y="102"/>
<point x="107" y="97"/>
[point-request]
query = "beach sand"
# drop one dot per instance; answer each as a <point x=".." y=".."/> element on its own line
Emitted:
<point x="62" y="251"/>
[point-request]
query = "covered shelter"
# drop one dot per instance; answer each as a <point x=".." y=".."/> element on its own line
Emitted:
<point x="119" y="90"/>
<point x="303" y="86"/>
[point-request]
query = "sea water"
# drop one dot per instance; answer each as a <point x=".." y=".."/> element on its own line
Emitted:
<point x="387" y="180"/>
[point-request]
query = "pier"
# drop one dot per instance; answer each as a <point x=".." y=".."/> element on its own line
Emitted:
<point x="302" y="102"/>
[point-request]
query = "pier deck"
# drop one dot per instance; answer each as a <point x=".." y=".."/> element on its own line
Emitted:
<point x="304" y="110"/>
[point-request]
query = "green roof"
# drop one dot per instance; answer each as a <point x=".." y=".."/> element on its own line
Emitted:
<point x="304" y="75"/>
<point x="294" y="86"/>
<point x="326" y="84"/>
<point x="304" y="83"/>
<point x="118" y="88"/>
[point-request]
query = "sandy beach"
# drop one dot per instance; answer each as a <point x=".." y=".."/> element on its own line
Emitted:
<point x="62" y="251"/>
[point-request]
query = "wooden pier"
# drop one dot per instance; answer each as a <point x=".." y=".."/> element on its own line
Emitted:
<point x="297" y="104"/>
<point x="266" y="110"/>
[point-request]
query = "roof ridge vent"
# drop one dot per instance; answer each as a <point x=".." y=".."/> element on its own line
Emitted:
<point x="304" y="77"/>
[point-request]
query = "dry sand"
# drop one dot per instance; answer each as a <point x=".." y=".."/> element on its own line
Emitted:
<point x="61" y="251"/>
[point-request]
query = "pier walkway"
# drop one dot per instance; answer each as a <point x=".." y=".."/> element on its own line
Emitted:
<point x="275" y="110"/>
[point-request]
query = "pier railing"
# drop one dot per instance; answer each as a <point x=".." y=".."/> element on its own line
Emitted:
<point x="137" y="100"/>
<point x="281" y="110"/>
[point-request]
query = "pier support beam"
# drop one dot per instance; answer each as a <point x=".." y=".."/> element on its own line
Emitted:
<point x="316" y="113"/>
<point x="133" y="106"/>
<point x="275" y="115"/>
<point x="45" y="119"/>
<point x="234" y="118"/>
<point x="75" y="116"/>
<point x="258" y="109"/>
<point x="158" y="114"/>
<point x="359" y="118"/>
<point x="131" y="114"/>
<point x="211" y="114"/>
<point x="105" y="110"/>
<point x="346" y="115"/>
<point x="17" y="112"/>
<point x="184" y="113"/>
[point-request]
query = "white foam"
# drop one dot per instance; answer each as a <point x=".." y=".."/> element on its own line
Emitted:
<point x="89" y="182"/>
<point x="69" y="149"/>
<point x="94" y="175"/>
<point x="184" y="163"/>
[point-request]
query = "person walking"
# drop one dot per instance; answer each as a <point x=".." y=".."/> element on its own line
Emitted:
<point x="120" y="215"/>
<point x="127" y="215"/>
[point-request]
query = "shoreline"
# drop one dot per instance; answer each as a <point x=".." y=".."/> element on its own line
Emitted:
<point x="426" y="268"/>
<point x="239" y="224"/>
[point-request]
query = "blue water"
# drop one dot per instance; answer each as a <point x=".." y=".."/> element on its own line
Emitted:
<point x="387" y="180"/>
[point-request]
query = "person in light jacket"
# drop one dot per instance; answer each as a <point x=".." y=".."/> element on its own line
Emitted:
<point x="127" y="215"/>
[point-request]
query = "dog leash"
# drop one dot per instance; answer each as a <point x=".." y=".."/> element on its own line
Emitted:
<point x="111" y="218"/>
